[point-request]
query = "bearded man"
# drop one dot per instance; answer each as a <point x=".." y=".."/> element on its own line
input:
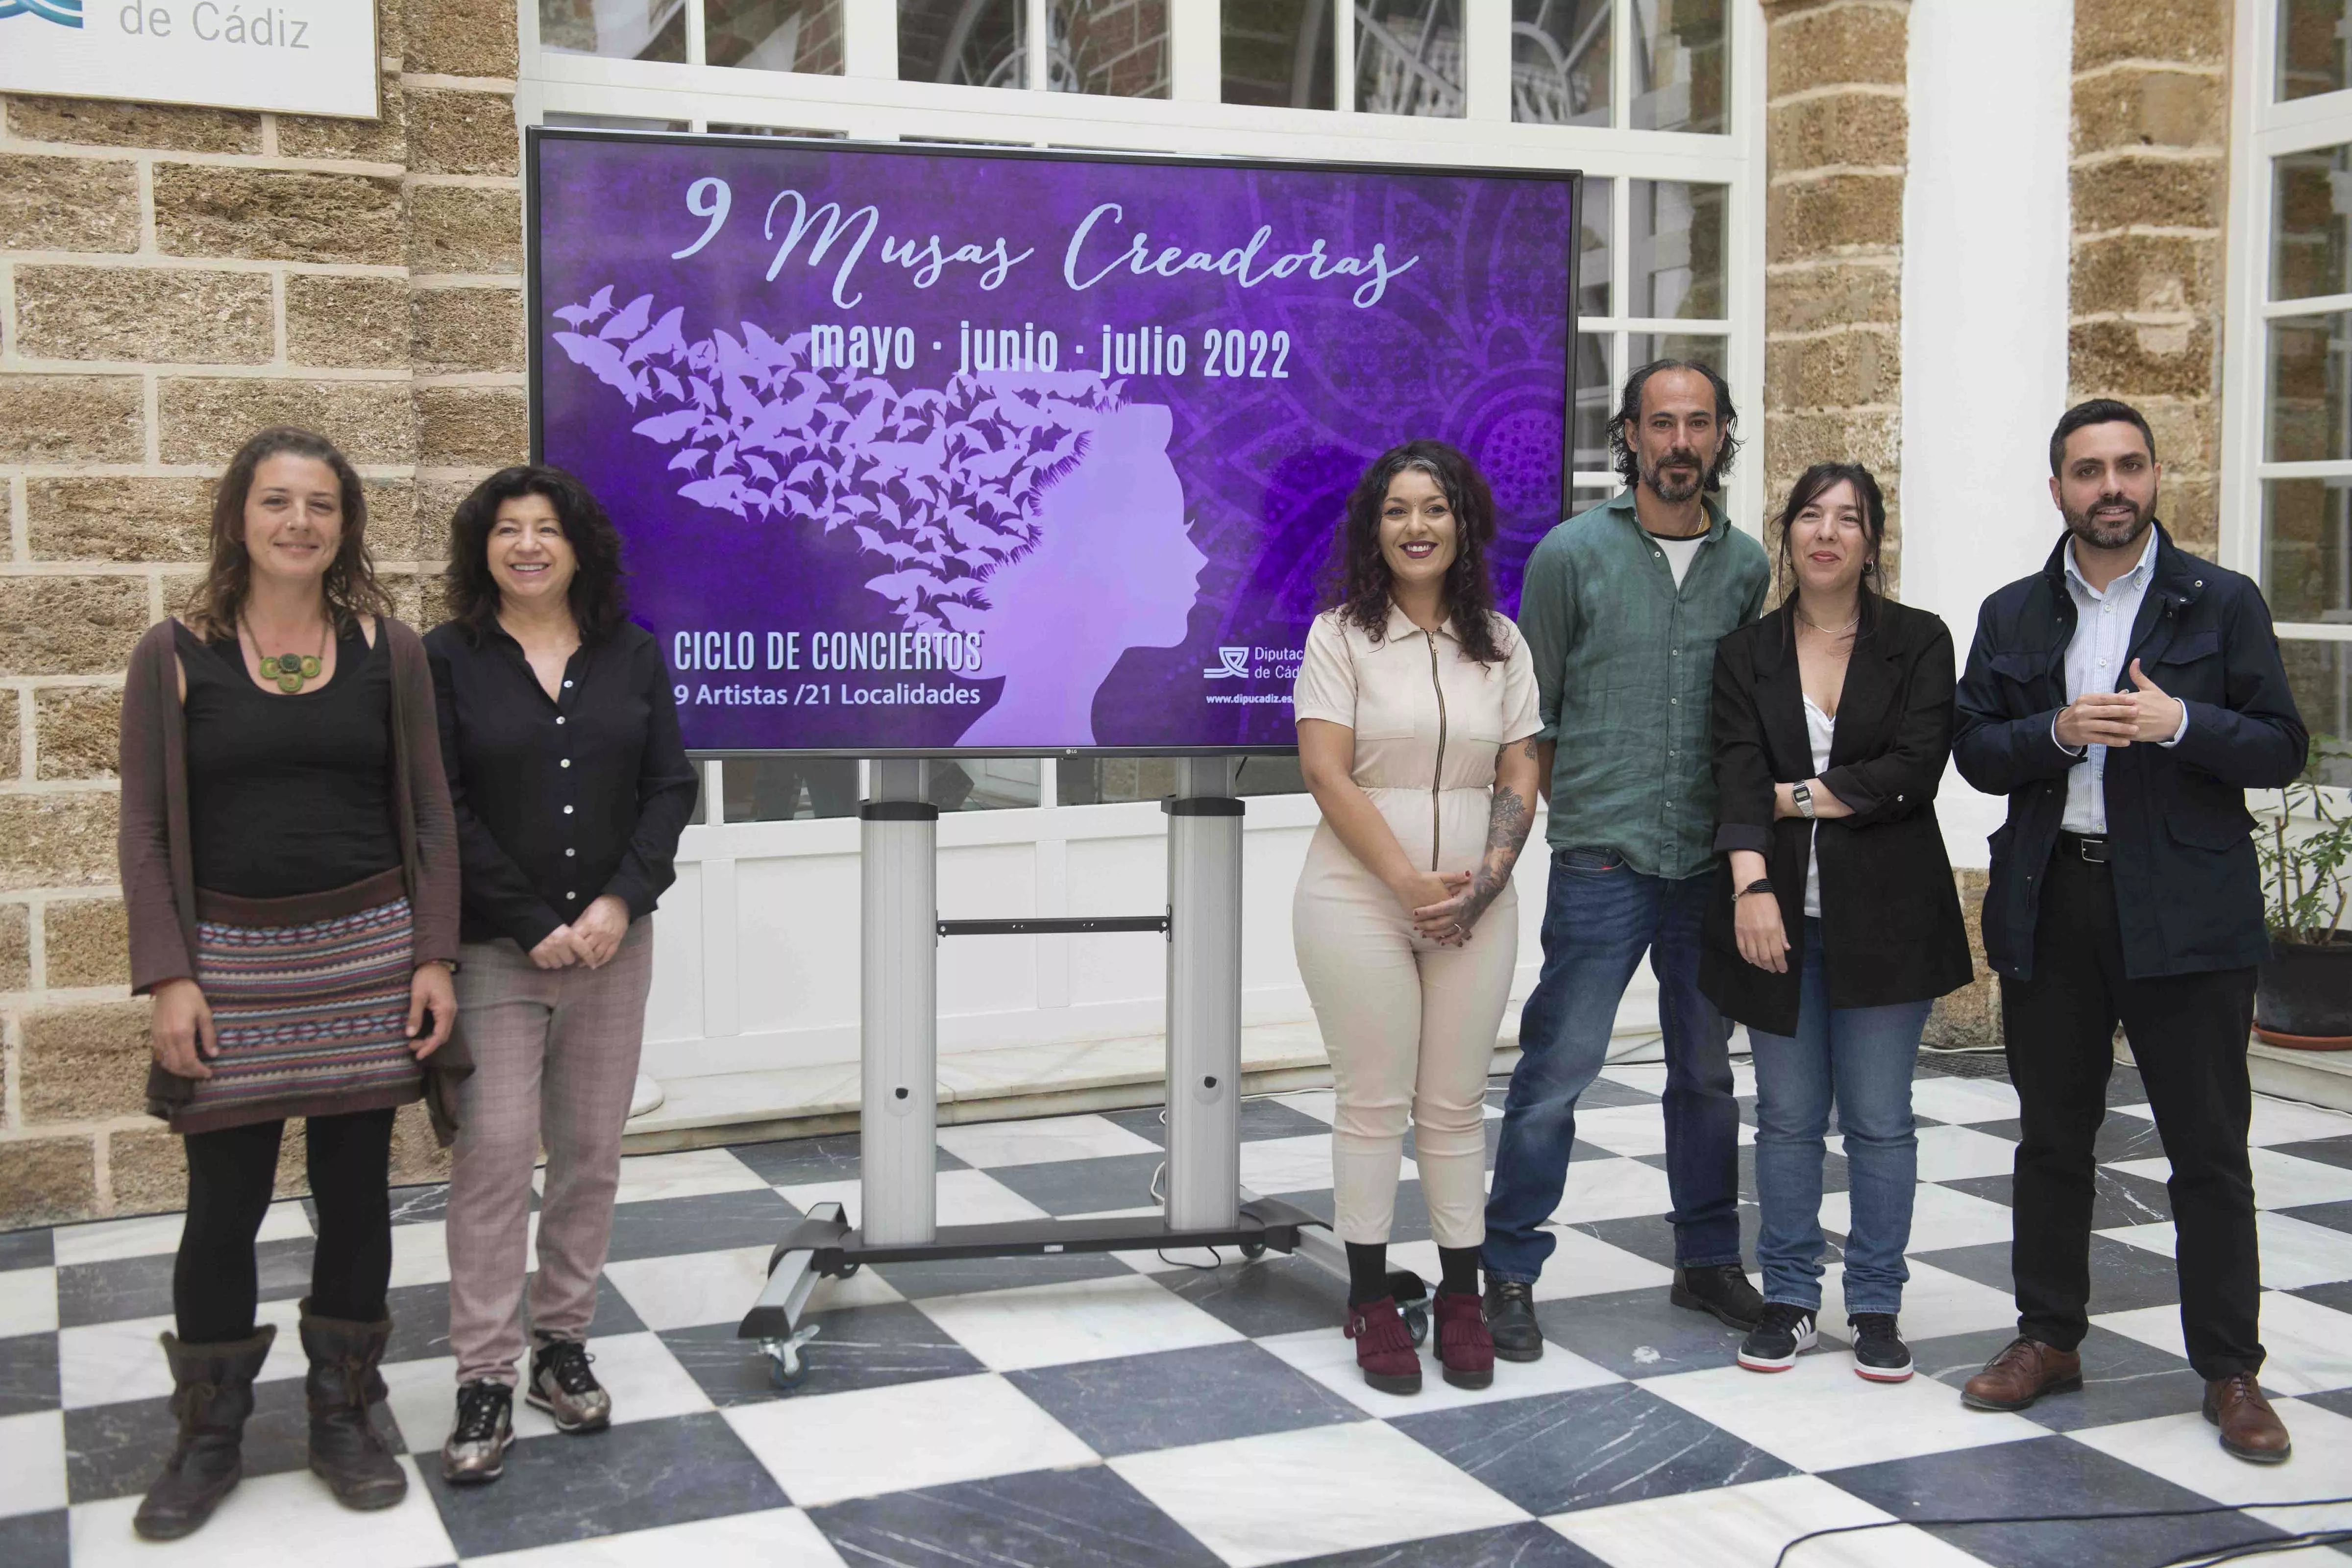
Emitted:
<point x="2124" y="698"/>
<point x="1621" y="608"/>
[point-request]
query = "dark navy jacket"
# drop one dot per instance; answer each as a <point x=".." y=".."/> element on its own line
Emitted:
<point x="2188" y="890"/>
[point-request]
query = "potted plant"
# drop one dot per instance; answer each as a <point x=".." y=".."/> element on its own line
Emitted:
<point x="2302" y="996"/>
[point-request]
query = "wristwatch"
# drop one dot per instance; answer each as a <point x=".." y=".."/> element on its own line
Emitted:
<point x="1803" y="795"/>
<point x="1761" y="885"/>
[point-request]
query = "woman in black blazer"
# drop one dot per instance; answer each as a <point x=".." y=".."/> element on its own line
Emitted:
<point x="1837" y="924"/>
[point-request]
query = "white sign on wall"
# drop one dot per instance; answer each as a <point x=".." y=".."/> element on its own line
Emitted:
<point x="295" y="56"/>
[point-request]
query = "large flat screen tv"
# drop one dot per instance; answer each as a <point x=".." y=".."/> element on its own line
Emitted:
<point x="931" y="449"/>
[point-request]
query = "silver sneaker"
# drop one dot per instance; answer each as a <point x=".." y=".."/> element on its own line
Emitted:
<point x="561" y="1385"/>
<point x="476" y="1452"/>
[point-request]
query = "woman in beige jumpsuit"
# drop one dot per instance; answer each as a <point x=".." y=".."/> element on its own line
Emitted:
<point x="1415" y="703"/>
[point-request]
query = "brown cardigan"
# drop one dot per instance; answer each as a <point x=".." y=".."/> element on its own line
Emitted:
<point x="158" y="860"/>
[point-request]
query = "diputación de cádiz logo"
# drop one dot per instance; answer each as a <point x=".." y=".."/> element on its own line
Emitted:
<point x="64" y="13"/>
<point x="1234" y="663"/>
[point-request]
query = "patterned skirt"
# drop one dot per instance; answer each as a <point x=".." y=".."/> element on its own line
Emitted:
<point x="310" y="1000"/>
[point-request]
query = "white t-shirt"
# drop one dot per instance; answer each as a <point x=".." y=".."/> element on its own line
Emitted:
<point x="1679" y="552"/>
<point x="1819" y="728"/>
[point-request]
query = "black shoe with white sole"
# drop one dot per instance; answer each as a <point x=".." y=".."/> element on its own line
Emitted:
<point x="1879" y="1352"/>
<point x="1779" y="1336"/>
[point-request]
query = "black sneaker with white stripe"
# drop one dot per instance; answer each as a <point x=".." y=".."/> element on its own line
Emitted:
<point x="1779" y="1336"/>
<point x="1879" y="1352"/>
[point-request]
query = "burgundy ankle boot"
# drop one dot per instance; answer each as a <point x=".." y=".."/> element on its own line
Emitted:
<point x="1464" y="1347"/>
<point x="1384" y="1352"/>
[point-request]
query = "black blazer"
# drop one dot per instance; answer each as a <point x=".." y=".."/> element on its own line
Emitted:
<point x="1891" y="921"/>
<point x="2188" y="893"/>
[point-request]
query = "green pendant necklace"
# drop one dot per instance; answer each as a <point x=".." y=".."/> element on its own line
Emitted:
<point x="293" y="671"/>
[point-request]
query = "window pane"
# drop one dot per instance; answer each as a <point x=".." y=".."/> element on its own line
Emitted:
<point x="2307" y="548"/>
<point x="984" y="784"/>
<point x="1678" y="240"/>
<point x="775" y="34"/>
<point x="1278" y="53"/>
<point x="609" y="123"/>
<point x="1596" y="397"/>
<point x="626" y="29"/>
<point x="789" y="789"/>
<point x="980" y="43"/>
<point x="2320" y="675"/>
<point x="727" y="128"/>
<point x="2307" y="406"/>
<point x="1115" y="48"/>
<point x="2312" y="193"/>
<point x="2311" y="40"/>
<point x="1409" y="57"/>
<point x="702" y="793"/>
<point x="1596" y="217"/>
<point x="1270" y="774"/>
<point x="1682" y="51"/>
<point x="1644" y="348"/>
<point x="1560" y="62"/>
<point x="1102" y="781"/>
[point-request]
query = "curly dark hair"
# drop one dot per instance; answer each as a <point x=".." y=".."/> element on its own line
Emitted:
<point x="1627" y="462"/>
<point x="1362" y="579"/>
<point x="218" y="598"/>
<point x="599" y="602"/>
<point x="1811" y="485"/>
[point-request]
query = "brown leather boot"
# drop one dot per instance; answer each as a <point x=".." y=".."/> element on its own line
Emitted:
<point x="346" y="1451"/>
<point x="2024" y="1370"/>
<point x="212" y="1395"/>
<point x="2250" y="1429"/>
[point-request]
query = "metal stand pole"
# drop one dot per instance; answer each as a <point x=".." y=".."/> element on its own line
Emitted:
<point x="898" y="973"/>
<point x="1204" y="995"/>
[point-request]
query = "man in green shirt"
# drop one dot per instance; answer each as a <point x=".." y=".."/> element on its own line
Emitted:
<point x="1621" y="608"/>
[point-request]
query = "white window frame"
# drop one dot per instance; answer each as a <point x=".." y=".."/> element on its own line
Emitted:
<point x="2266" y="130"/>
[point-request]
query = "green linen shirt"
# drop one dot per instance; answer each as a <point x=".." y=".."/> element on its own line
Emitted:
<point x="1624" y="673"/>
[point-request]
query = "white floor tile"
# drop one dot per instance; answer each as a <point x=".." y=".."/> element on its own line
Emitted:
<point x="1646" y="1078"/>
<point x="1319" y="1103"/>
<point x="1747" y="1526"/>
<point x="2281" y="1181"/>
<point x="824" y="1448"/>
<point x="1964" y="1099"/>
<point x="32" y="1462"/>
<point x="772" y="1537"/>
<point x="2308" y="1347"/>
<point x="422" y="1398"/>
<point x="1084" y="1320"/>
<point x="1611" y="1189"/>
<point x="104" y="1241"/>
<point x="1330" y="1358"/>
<point x="104" y="1364"/>
<point x="1297" y="1164"/>
<point x="2275" y="1121"/>
<point x="1940" y="1217"/>
<point x="28" y="1301"/>
<point x="1936" y="1302"/>
<point x="989" y="1143"/>
<point x="696" y="1173"/>
<point x="1956" y="1153"/>
<point x="263" y="1521"/>
<point x="1263" y="1500"/>
<point x="697" y="1288"/>
<point x="1818" y="1416"/>
<point x="2184" y="1450"/>
<point x="1585" y="1265"/>
<point x="2294" y="1252"/>
<point x="645" y="1380"/>
<point x="962" y="1197"/>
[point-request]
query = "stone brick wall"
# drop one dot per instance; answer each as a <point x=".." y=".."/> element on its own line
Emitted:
<point x="2150" y="182"/>
<point x="172" y="278"/>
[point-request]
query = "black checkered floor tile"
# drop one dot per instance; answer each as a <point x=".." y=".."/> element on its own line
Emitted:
<point x="1134" y="1409"/>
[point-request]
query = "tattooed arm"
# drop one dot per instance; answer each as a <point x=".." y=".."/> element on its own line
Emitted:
<point x="1508" y="824"/>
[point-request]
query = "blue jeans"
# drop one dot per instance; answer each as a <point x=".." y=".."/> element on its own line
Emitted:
<point x="1600" y="915"/>
<point x="1862" y="1059"/>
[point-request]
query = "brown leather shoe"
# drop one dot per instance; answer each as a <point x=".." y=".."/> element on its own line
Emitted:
<point x="2024" y="1370"/>
<point x="2250" y="1429"/>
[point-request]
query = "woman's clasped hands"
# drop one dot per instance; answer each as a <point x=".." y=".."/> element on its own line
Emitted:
<point x="591" y="939"/>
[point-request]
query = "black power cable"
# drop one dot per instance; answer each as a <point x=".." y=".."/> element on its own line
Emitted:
<point x="2202" y="1556"/>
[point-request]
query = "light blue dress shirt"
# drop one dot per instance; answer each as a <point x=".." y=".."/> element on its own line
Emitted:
<point x="2099" y="659"/>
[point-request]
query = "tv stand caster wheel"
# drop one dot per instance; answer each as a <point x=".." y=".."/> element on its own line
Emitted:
<point x="1412" y="1297"/>
<point x="787" y="1368"/>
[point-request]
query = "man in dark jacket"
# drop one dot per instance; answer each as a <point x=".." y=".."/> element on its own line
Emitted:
<point x="2124" y="698"/>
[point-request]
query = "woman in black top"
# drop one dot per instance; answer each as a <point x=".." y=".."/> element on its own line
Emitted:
<point x="1836" y="923"/>
<point x="571" y="788"/>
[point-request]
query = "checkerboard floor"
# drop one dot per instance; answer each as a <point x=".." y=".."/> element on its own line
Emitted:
<point x="1126" y="1410"/>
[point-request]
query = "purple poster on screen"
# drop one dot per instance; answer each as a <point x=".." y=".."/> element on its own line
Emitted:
<point x="928" y="451"/>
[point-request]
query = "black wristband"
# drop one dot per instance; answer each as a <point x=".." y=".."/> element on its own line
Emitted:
<point x="1761" y="885"/>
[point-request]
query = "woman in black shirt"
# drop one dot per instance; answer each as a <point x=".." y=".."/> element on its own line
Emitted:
<point x="571" y="787"/>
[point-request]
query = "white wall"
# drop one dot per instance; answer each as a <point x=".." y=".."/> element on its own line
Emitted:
<point x="1985" y="230"/>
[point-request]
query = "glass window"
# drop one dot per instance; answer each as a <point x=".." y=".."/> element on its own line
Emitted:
<point x="2307" y="548"/>
<point x="985" y="784"/>
<point x="1644" y="348"/>
<point x="2312" y="194"/>
<point x="1678" y="242"/>
<point x="1682" y="52"/>
<point x="2307" y="411"/>
<point x="1409" y="57"/>
<point x="1103" y="781"/>
<point x="2320" y="675"/>
<point x="625" y="30"/>
<point x="980" y="43"/>
<point x="1560" y="61"/>
<point x="2311" y="43"/>
<point x="1595" y="261"/>
<point x="774" y="34"/>
<point x="789" y="789"/>
<point x="727" y="128"/>
<point x="609" y="122"/>
<point x="1117" y="48"/>
<point x="1596" y="399"/>
<point x="1277" y="53"/>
